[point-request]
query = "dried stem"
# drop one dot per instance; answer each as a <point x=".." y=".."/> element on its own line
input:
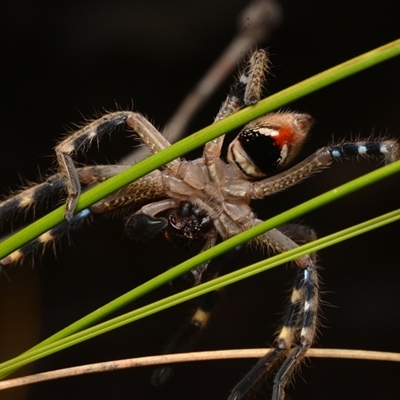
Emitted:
<point x="185" y="357"/>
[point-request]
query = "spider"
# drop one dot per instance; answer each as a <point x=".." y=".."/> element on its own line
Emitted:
<point x="208" y="199"/>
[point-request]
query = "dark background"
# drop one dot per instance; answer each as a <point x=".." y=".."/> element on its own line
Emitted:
<point x="62" y="61"/>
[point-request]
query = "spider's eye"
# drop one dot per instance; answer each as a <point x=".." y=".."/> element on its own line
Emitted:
<point x="269" y="143"/>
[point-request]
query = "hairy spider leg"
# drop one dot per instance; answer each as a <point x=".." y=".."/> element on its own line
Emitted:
<point x="46" y="239"/>
<point x="35" y="195"/>
<point x="94" y="131"/>
<point x="186" y="338"/>
<point x="32" y="198"/>
<point x="294" y="339"/>
<point x="247" y="90"/>
<point x="387" y="149"/>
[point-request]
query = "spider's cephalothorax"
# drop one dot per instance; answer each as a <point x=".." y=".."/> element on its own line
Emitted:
<point x="209" y="199"/>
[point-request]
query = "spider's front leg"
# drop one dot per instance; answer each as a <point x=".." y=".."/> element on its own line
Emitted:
<point x="107" y="124"/>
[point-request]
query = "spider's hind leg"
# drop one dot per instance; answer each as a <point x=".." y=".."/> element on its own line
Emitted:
<point x="38" y="196"/>
<point x="294" y="339"/>
<point x="185" y="340"/>
<point x="300" y="321"/>
<point x="31" y="198"/>
<point x="299" y="233"/>
<point x="45" y="240"/>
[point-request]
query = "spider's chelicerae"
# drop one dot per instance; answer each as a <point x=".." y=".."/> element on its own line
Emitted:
<point x="209" y="199"/>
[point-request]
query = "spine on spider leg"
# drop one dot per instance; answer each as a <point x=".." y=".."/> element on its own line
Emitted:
<point x="46" y="239"/>
<point x="185" y="340"/>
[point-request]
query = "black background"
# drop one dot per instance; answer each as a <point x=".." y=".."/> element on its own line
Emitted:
<point x="62" y="61"/>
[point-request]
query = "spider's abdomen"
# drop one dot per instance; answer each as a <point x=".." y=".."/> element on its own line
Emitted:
<point x="269" y="143"/>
